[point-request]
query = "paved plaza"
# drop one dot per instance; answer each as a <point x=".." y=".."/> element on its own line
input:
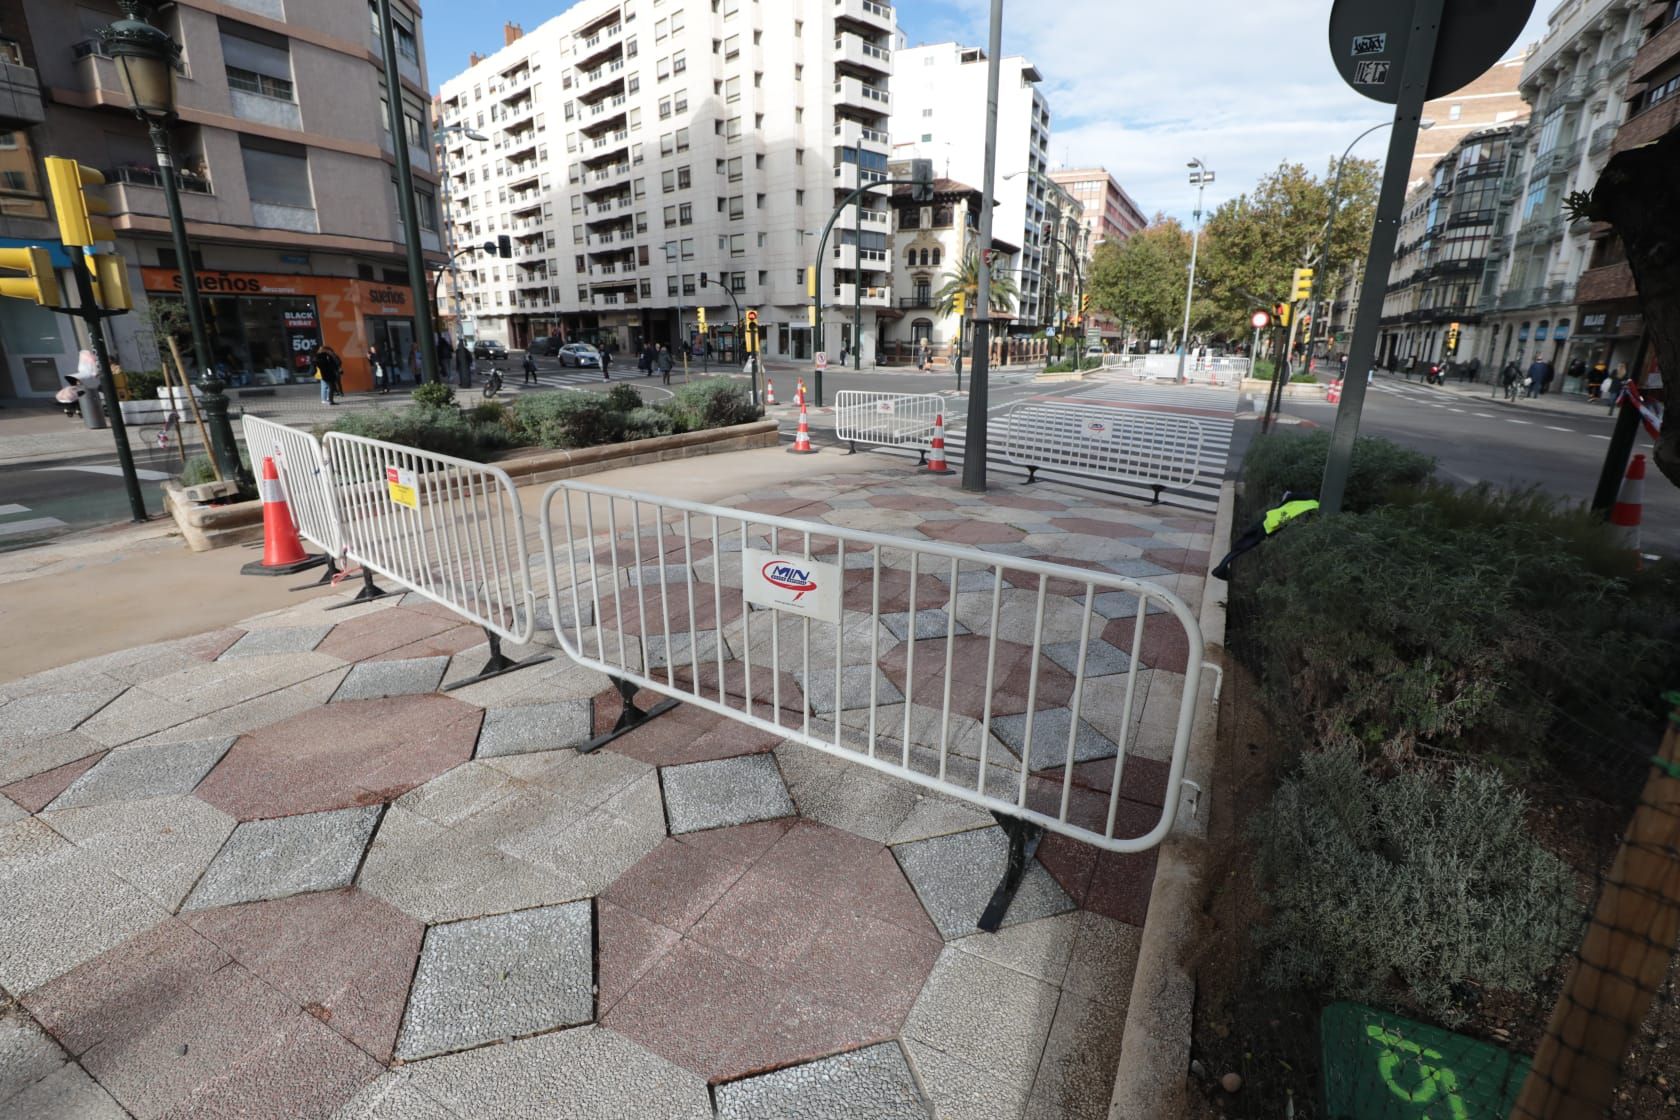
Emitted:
<point x="273" y="871"/>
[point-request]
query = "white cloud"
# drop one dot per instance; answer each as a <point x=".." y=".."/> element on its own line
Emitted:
<point x="1141" y="88"/>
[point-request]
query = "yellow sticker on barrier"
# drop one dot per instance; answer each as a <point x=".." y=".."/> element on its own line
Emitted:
<point x="402" y="486"/>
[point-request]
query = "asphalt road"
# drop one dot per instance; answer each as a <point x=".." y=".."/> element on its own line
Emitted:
<point x="42" y="499"/>
<point x="1507" y="444"/>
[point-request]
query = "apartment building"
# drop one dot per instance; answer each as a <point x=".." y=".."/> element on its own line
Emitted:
<point x="1433" y="306"/>
<point x="1067" y="255"/>
<point x="649" y="157"/>
<point x="1491" y="100"/>
<point x="1108" y="214"/>
<point x="289" y="200"/>
<point x="1575" y="81"/>
<point x="938" y="94"/>
<point x="1611" y="324"/>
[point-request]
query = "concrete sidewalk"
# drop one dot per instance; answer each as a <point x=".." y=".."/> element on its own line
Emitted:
<point x="1571" y="404"/>
<point x="269" y="870"/>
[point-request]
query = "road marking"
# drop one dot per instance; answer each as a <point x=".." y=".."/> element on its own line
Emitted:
<point x="1484" y="415"/>
<point x="1595" y="435"/>
<point x="7" y="511"/>
<point x="1508" y="420"/>
<point x="114" y="472"/>
<point x="1555" y="428"/>
<point x="33" y="525"/>
<point x="1455" y="410"/>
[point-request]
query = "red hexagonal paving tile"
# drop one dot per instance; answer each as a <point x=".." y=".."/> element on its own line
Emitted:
<point x="1012" y="676"/>
<point x="684" y="734"/>
<point x="916" y="503"/>
<point x="1016" y="501"/>
<point x="1115" y="530"/>
<point x="1164" y="646"/>
<point x="359" y="752"/>
<point x="665" y="610"/>
<point x="972" y="532"/>
<point x="752" y="948"/>
<point x="37" y="791"/>
<point x="381" y="632"/>
<point x="344" y="955"/>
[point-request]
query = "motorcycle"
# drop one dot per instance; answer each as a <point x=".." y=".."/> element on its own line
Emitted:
<point x="1437" y="374"/>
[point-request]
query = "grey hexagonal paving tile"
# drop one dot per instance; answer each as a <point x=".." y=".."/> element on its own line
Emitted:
<point x="874" y="1083"/>
<point x="930" y="623"/>
<point x="1050" y="738"/>
<point x="134" y="773"/>
<point x="854" y="688"/>
<point x="955" y="876"/>
<point x="508" y="975"/>
<point x="728" y="791"/>
<point x="160" y="845"/>
<point x="38" y="1079"/>
<point x="1123" y="604"/>
<point x="1101" y="659"/>
<point x="370" y="680"/>
<point x="283" y="639"/>
<point x="286" y="856"/>
<point x="534" y="727"/>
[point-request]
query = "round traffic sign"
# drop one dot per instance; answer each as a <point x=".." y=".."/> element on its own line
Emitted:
<point x="1368" y="40"/>
<point x="1259" y="319"/>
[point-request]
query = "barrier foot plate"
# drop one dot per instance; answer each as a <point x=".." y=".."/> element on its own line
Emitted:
<point x="497" y="664"/>
<point x="369" y="592"/>
<point x="258" y="568"/>
<point x="327" y="577"/>
<point x="1023" y="844"/>
<point x="630" y="718"/>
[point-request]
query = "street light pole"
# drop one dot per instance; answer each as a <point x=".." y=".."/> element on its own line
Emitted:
<point x="1078" y="295"/>
<point x="1201" y="177"/>
<point x="410" y="212"/>
<point x="974" y="437"/>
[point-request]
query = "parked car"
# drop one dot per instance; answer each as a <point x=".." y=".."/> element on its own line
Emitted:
<point x="490" y="349"/>
<point x="544" y="346"/>
<point x="580" y="354"/>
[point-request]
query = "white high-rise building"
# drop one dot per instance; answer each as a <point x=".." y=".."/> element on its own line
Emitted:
<point x="637" y="148"/>
<point x="939" y="98"/>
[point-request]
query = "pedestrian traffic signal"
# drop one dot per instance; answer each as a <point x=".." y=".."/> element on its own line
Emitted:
<point x="921" y="175"/>
<point x="110" y="281"/>
<point x="700" y="315"/>
<point x="39" y="282"/>
<point x="81" y="217"/>
<point x="959" y="304"/>
<point x="504" y="246"/>
<point x="1303" y="284"/>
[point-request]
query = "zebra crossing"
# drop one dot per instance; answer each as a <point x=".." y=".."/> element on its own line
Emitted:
<point x="14" y="524"/>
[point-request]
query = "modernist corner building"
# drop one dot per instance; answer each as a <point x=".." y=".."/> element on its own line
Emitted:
<point x="289" y="199"/>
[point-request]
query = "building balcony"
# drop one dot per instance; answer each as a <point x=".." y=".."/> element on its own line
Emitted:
<point x="919" y="303"/>
<point x="1610" y="282"/>
<point x="20" y="96"/>
<point x="524" y="202"/>
<point x="1498" y="247"/>
<point x="601" y="48"/>
<point x="865" y="13"/>
<point x="1569" y="93"/>
<point x="1565" y="157"/>
<point x="856" y="134"/>
<point x="597" y="79"/>
<point x="613" y="275"/>
<point x="849" y="176"/>
<point x="611" y="299"/>
<point x="1512" y="299"/>
<point x="851" y="217"/>
<point x="845" y="295"/>
<point x="1542" y="164"/>
<point x="193" y="182"/>
<point x="853" y="51"/>
<point x="526" y="171"/>
<point x="604" y="178"/>
<point x="1539" y="231"/>
<point x="850" y="93"/>
<point x="1622" y="57"/>
<point x="1602" y="137"/>
<point x="847" y="257"/>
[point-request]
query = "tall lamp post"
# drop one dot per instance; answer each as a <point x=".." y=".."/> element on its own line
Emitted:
<point x="146" y="59"/>
<point x="406" y="206"/>
<point x="1200" y="177"/>
<point x="1048" y="231"/>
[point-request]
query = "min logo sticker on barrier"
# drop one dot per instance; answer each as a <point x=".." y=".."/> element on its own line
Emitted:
<point x="403" y="487"/>
<point x="795" y="584"/>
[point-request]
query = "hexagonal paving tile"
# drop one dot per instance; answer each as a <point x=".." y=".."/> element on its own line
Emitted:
<point x="134" y="773"/>
<point x="290" y="855"/>
<point x="955" y="876"/>
<point x="703" y="795"/>
<point x="354" y="753"/>
<point x="874" y="1083"/>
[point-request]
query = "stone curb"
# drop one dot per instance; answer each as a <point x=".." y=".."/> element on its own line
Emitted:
<point x="1292" y="389"/>
<point x="1155" y="1048"/>
<point x="210" y="527"/>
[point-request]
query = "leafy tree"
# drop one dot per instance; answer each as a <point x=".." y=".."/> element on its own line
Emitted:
<point x="966" y="278"/>
<point x="1140" y="280"/>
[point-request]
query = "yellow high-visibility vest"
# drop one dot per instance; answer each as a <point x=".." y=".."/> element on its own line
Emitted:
<point x="1280" y="516"/>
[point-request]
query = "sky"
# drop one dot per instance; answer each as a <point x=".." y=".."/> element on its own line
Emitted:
<point x="1137" y="86"/>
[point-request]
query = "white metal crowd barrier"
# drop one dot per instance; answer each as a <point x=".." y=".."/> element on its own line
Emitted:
<point x="447" y="529"/>
<point x="779" y="624"/>
<point x="1161" y="450"/>
<point x="304" y="479"/>
<point x="888" y="419"/>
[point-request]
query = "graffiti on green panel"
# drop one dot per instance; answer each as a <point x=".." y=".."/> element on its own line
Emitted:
<point x="1379" y="1066"/>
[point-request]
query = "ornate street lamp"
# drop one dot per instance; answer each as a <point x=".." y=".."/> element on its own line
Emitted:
<point x="147" y="60"/>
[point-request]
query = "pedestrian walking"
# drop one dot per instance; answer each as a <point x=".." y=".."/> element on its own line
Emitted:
<point x="649" y="356"/>
<point x="464" y="366"/>
<point x="1538" y="374"/>
<point x="328" y="371"/>
<point x="665" y="361"/>
<point x="414" y="363"/>
<point x="376" y="363"/>
<point x="530" y="366"/>
<point x="1577" y="369"/>
<point x="606" y="363"/>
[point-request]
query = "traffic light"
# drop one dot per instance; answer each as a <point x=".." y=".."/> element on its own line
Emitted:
<point x="1303" y="284"/>
<point x="959" y="304"/>
<point x="810" y="283"/>
<point x="921" y="174"/>
<point x="700" y="315"/>
<point x="504" y="246"/>
<point x="1085" y="304"/>
<point x="81" y="217"/>
<point x="110" y="281"/>
<point x="40" y="282"/>
<point x="1280" y="314"/>
<point x="1452" y="338"/>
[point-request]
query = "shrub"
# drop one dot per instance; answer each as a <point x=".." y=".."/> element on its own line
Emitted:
<point x="488" y="412"/>
<point x="623" y="398"/>
<point x="644" y="423"/>
<point x="1296" y="462"/>
<point x="197" y="471"/>
<point x="565" y="420"/>
<point x="442" y="430"/>
<point x="143" y="384"/>
<point x="1406" y="887"/>
<point x="434" y="394"/>
<point x="713" y="402"/>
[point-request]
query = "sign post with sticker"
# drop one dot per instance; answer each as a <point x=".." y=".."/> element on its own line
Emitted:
<point x="1401" y="53"/>
<point x="403" y="487"/>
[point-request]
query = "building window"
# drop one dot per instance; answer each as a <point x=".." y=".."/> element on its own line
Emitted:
<point x="276" y="173"/>
<point x="258" y="65"/>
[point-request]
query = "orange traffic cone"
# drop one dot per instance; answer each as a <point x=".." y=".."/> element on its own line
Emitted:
<point x="769" y="391"/>
<point x="1333" y="395"/>
<point x="1630" y="503"/>
<point x="802" y="438"/>
<point x="936" y="453"/>
<point x="283" y="553"/>
<point x="799" y="394"/>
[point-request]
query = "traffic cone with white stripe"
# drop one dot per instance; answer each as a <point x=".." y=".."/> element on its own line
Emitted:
<point x="799" y="396"/>
<point x="802" y="438"/>
<point x="1626" y="514"/>
<point x="283" y="553"/>
<point x="936" y="452"/>
<point x="769" y="391"/>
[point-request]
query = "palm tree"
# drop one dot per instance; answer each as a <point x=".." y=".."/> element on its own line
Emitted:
<point x="966" y="279"/>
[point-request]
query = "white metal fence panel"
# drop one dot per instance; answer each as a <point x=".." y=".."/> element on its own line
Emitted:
<point x="1162" y="450"/>
<point x="304" y="478"/>
<point x="983" y="677"/>
<point x="889" y="419"/>
<point x="447" y="529"/>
